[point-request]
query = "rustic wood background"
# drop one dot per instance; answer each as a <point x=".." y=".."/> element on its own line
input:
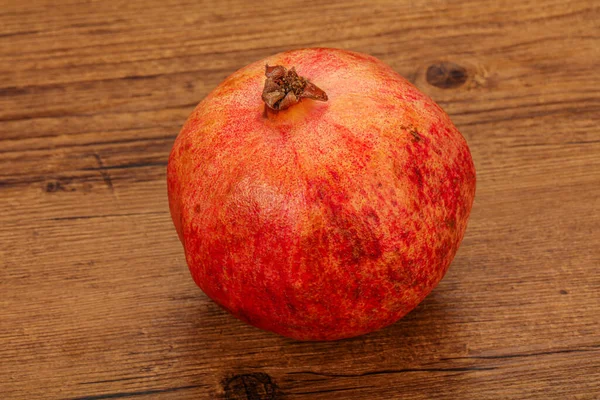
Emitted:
<point x="96" y="299"/>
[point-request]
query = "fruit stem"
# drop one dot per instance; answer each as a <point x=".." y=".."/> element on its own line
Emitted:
<point x="284" y="88"/>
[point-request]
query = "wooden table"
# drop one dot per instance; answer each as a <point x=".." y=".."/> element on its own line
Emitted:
<point x="96" y="299"/>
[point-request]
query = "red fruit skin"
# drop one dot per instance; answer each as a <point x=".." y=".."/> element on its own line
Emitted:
<point x="327" y="220"/>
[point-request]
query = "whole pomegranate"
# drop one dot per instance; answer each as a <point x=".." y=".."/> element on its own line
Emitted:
<point x="321" y="197"/>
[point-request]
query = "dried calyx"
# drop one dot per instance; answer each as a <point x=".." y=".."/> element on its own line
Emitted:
<point x="284" y="88"/>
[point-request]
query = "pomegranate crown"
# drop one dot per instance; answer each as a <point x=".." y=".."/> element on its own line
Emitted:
<point x="284" y="88"/>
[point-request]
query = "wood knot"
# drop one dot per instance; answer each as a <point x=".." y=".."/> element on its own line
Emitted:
<point x="255" y="386"/>
<point x="59" y="185"/>
<point x="446" y="75"/>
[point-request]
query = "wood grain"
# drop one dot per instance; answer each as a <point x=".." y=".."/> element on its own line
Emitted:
<point x="96" y="300"/>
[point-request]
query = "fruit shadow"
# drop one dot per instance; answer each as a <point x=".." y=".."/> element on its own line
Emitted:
<point x="417" y="339"/>
<point x="418" y="342"/>
<point x="416" y="353"/>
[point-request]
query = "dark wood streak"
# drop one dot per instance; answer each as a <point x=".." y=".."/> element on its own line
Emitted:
<point x="577" y="142"/>
<point x="541" y="353"/>
<point x="39" y="89"/>
<point x="571" y="111"/>
<point x="168" y="138"/>
<point x="58" y="183"/>
<point x="122" y="395"/>
<point x="65" y="114"/>
<point x="130" y="378"/>
<point x="396" y="371"/>
<point x="528" y="106"/>
<point x="127" y="166"/>
<point x="77" y="217"/>
<point x="569" y="143"/>
<point x="21" y="33"/>
<point x="85" y="132"/>
<point x="353" y="388"/>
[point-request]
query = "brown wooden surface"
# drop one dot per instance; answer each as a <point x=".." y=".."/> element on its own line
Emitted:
<point x="96" y="300"/>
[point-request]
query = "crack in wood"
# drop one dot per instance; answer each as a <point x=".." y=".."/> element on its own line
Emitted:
<point x="394" y="371"/>
<point x="114" y="380"/>
<point x="105" y="174"/>
<point x="594" y="348"/>
<point x="126" y="166"/>
<point x="333" y="390"/>
<point x="120" y="395"/>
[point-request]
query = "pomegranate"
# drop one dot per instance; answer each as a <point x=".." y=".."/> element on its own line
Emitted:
<point x="322" y="197"/>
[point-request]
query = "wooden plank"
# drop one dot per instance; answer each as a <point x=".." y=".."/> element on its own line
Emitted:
<point x="96" y="301"/>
